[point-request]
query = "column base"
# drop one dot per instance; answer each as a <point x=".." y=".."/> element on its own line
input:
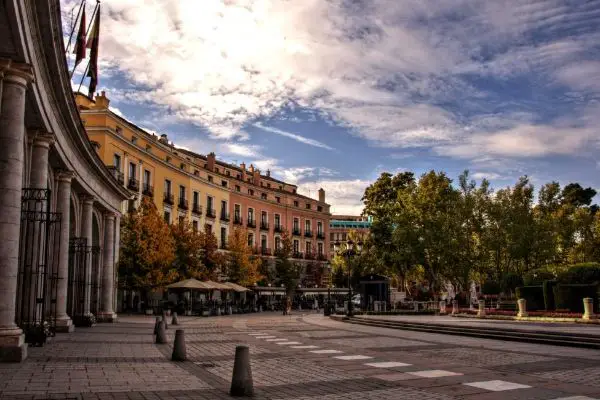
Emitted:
<point x="106" y="316"/>
<point x="13" y="348"/>
<point x="87" y="320"/>
<point x="64" y="325"/>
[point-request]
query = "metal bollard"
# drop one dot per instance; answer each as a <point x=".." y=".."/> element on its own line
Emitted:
<point x="179" y="346"/>
<point x="241" y="381"/>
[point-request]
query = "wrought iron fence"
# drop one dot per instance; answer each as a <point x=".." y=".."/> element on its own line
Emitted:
<point x="96" y="289"/>
<point x="79" y="257"/>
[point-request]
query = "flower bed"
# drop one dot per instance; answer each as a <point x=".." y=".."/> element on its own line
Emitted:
<point x="545" y="314"/>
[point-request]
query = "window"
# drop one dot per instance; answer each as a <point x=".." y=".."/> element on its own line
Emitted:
<point x="250" y="214"/>
<point x="132" y="168"/>
<point x="196" y="172"/>
<point x="280" y="187"/>
<point x="117" y="162"/>
<point x="167" y="217"/>
<point x="208" y="228"/>
<point x="278" y="199"/>
<point x="251" y="239"/>
<point x="216" y="169"/>
<point x="308" y="206"/>
<point x="195" y="226"/>
<point x="319" y="228"/>
<point x="268" y="185"/>
<point x="182" y="166"/>
<point x="149" y="148"/>
<point x="196" y="199"/>
<point x="227" y="173"/>
<point x="296" y="246"/>
<point x="319" y="208"/>
<point x="238" y="176"/>
<point x="263" y="241"/>
<point x="295" y="203"/>
<point x="146" y="178"/>
<point x="307" y="225"/>
<point x="344" y="236"/>
<point x="263" y="196"/>
<point x="181" y="219"/>
<point x="223" y="237"/>
<point x="133" y="140"/>
<point x="223" y="208"/>
<point x="168" y="159"/>
<point x="263" y="218"/>
<point x="181" y="192"/>
<point x="320" y="249"/>
<point x="224" y="183"/>
<point x="209" y="203"/>
<point x="277" y="220"/>
<point x="167" y="186"/>
<point x="237" y="188"/>
<point x="277" y="243"/>
<point x="237" y="212"/>
<point x="119" y="130"/>
<point x="308" y="248"/>
<point x="296" y="225"/>
<point x="210" y="178"/>
<point x="251" y="192"/>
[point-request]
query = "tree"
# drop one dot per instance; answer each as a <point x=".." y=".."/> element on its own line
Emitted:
<point x="575" y="195"/>
<point x="188" y="251"/>
<point x="212" y="259"/>
<point x="243" y="267"/>
<point x="289" y="273"/>
<point x="147" y="250"/>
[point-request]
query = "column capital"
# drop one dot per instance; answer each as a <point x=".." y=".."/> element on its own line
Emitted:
<point x="65" y="175"/>
<point x="43" y="139"/>
<point x="110" y="215"/>
<point x="14" y="72"/>
<point x="87" y="199"/>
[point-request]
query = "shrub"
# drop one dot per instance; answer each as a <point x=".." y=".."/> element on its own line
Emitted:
<point x="510" y="282"/>
<point x="534" y="295"/>
<point x="585" y="273"/>
<point x="570" y="297"/>
<point x="548" y="288"/>
<point x="537" y="276"/>
<point x="490" y="287"/>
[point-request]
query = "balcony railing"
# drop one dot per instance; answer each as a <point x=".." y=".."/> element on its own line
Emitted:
<point x="238" y="220"/>
<point x="265" y="251"/>
<point x="251" y="223"/>
<point x="224" y="216"/>
<point x="117" y="174"/>
<point x="297" y="254"/>
<point x="320" y="235"/>
<point x="321" y="257"/>
<point x="264" y="225"/>
<point x="148" y="190"/>
<point x="183" y="204"/>
<point x="133" y="184"/>
<point x="296" y="232"/>
<point x="223" y="246"/>
<point x="309" y="256"/>
<point x="211" y="213"/>
<point x="278" y="228"/>
<point x="308" y="233"/>
<point x="168" y="198"/>
<point x="196" y="208"/>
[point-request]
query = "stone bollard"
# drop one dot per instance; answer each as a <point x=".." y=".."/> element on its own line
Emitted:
<point x="218" y="311"/>
<point x="260" y="309"/>
<point x="174" y="320"/>
<point x="161" y="336"/>
<point x="454" y="307"/>
<point x="522" y="303"/>
<point x="481" y="312"/>
<point x="179" y="346"/>
<point x="416" y="306"/>
<point x="156" y="324"/>
<point x="241" y="381"/>
<point x="164" y="318"/>
<point x="588" y="307"/>
<point x="442" y="307"/>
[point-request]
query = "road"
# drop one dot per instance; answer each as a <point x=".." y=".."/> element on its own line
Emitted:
<point x="302" y="356"/>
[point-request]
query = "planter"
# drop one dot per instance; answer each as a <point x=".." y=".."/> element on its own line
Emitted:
<point x="522" y="303"/>
<point x="588" y="306"/>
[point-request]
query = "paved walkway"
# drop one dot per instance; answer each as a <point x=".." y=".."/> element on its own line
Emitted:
<point x="297" y="357"/>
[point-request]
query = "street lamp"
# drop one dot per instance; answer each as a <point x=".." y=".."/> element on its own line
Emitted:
<point x="349" y="253"/>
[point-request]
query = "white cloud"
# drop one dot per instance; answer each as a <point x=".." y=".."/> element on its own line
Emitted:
<point x="293" y="136"/>
<point x="343" y="195"/>
<point x="115" y="110"/>
<point x="486" y="175"/>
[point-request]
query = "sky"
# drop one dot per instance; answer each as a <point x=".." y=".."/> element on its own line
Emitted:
<point x="331" y="93"/>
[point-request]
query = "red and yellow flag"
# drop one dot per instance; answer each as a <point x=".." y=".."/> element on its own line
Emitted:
<point x="92" y="44"/>
<point x="79" y="50"/>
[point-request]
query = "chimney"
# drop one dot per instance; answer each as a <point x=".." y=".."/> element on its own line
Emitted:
<point x="251" y="169"/>
<point x="210" y="161"/>
<point x="256" y="177"/>
<point x="164" y="139"/>
<point x="243" y="167"/>
<point x="321" y="195"/>
<point x="268" y="173"/>
<point x="102" y="101"/>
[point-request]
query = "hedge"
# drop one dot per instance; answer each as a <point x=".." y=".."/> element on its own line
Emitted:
<point x="490" y="287"/>
<point x="585" y="273"/>
<point x="548" y="288"/>
<point x="570" y="297"/>
<point x="537" y="276"/>
<point x="534" y="295"/>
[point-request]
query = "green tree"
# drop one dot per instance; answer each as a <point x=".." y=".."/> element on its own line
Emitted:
<point x="188" y="251"/>
<point x="288" y="272"/>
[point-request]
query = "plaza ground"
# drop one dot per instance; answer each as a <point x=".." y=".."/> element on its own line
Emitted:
<point x="302" y="356"/>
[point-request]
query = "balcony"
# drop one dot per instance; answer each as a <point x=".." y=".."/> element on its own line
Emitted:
<point x="196" y="209"/>
<point x="321" y="257"/>
<point x="264" y="225"/>
<point x="278" y="228"/>
<point x="309" y="255"/>
<point x="211" y="213"/>
<point x="168" y="199"/>
<point x="224" y="216"/>
<point x="223" y="246"/>
<point x="251" y="223"/>
<point x="297" y="254"/>
<point x="265" y="251"/>
<point x="148" y="190"/>
<point x="238" y="220"/>
<point x="133" y="184"/>
<point x="321" y="235"/>
<point x="308" y="233"/>
<point x="183" y="204"/>
<point x="117" y="174"/>
<point x="296" y="232"/>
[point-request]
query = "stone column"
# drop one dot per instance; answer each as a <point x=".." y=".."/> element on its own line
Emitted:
<point x="12" y="137"/>
<point x="454" y="307"/>
<point x="86" y="232"/>
<point x="588" y="308"/>
<point x="481" y="311"/>
<point x="522" y="303"/>
<point x="38" y="178"/>
<point x="63" y="206"/>
<point x="116" y="250"/>
<point x="107" y="314"/>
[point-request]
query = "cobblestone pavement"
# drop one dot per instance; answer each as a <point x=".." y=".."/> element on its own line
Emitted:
<point x="303" y="356"/>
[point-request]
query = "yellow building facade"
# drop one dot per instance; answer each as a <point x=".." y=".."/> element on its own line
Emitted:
<point x="148" y="165"/>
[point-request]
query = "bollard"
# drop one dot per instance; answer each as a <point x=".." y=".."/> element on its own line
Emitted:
<point x="442" y="306"/>
<point x="241" y="381"/>
<point x="481" y="312"/>
<point x="161" y="336"/>
<point x="260" y="309"/>
<point x="218" y="311"/>
<point x="179" y="346"/>
<point x="174" y="320"/>
<point x="522" y="303"/>
<point x="588" y="307"/>
<point x="164" y="318"/>
<point x="158" y="319"/>
<point x="454" y="307"/>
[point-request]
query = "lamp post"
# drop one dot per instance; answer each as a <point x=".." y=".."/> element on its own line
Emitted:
<point x="348" y="253"/>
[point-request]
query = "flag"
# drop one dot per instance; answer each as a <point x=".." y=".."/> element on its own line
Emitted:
<point x="92" y="44"/>
<point x="80" y="43"/>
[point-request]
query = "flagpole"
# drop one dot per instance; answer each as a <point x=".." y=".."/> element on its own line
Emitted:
<point x="83" y="76"/>
<point x="86" y="35"/>
<point x="74" y="25"/>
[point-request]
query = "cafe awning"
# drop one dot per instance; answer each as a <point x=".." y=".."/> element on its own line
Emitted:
<point x="236" y="287"/>
<point x="217" y="286"/>
<point x="189" y="284"/>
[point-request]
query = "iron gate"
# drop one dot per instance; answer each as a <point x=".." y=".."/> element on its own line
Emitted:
<point x="37" y="282"/>
<point x="96" y="280"/>
<point x="79" y="257"/>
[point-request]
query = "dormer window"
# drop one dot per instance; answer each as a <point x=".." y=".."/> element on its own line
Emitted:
<point x="196" y="172"/>
<point x="210" y="178"/>
<point x="168" y="159"/>
<point x="149" y="148"/>
<point x="263" y="196"/>
<point x="119" y="130"/>
<point x="182" y="166"/>
<point x="133" y="140"/>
